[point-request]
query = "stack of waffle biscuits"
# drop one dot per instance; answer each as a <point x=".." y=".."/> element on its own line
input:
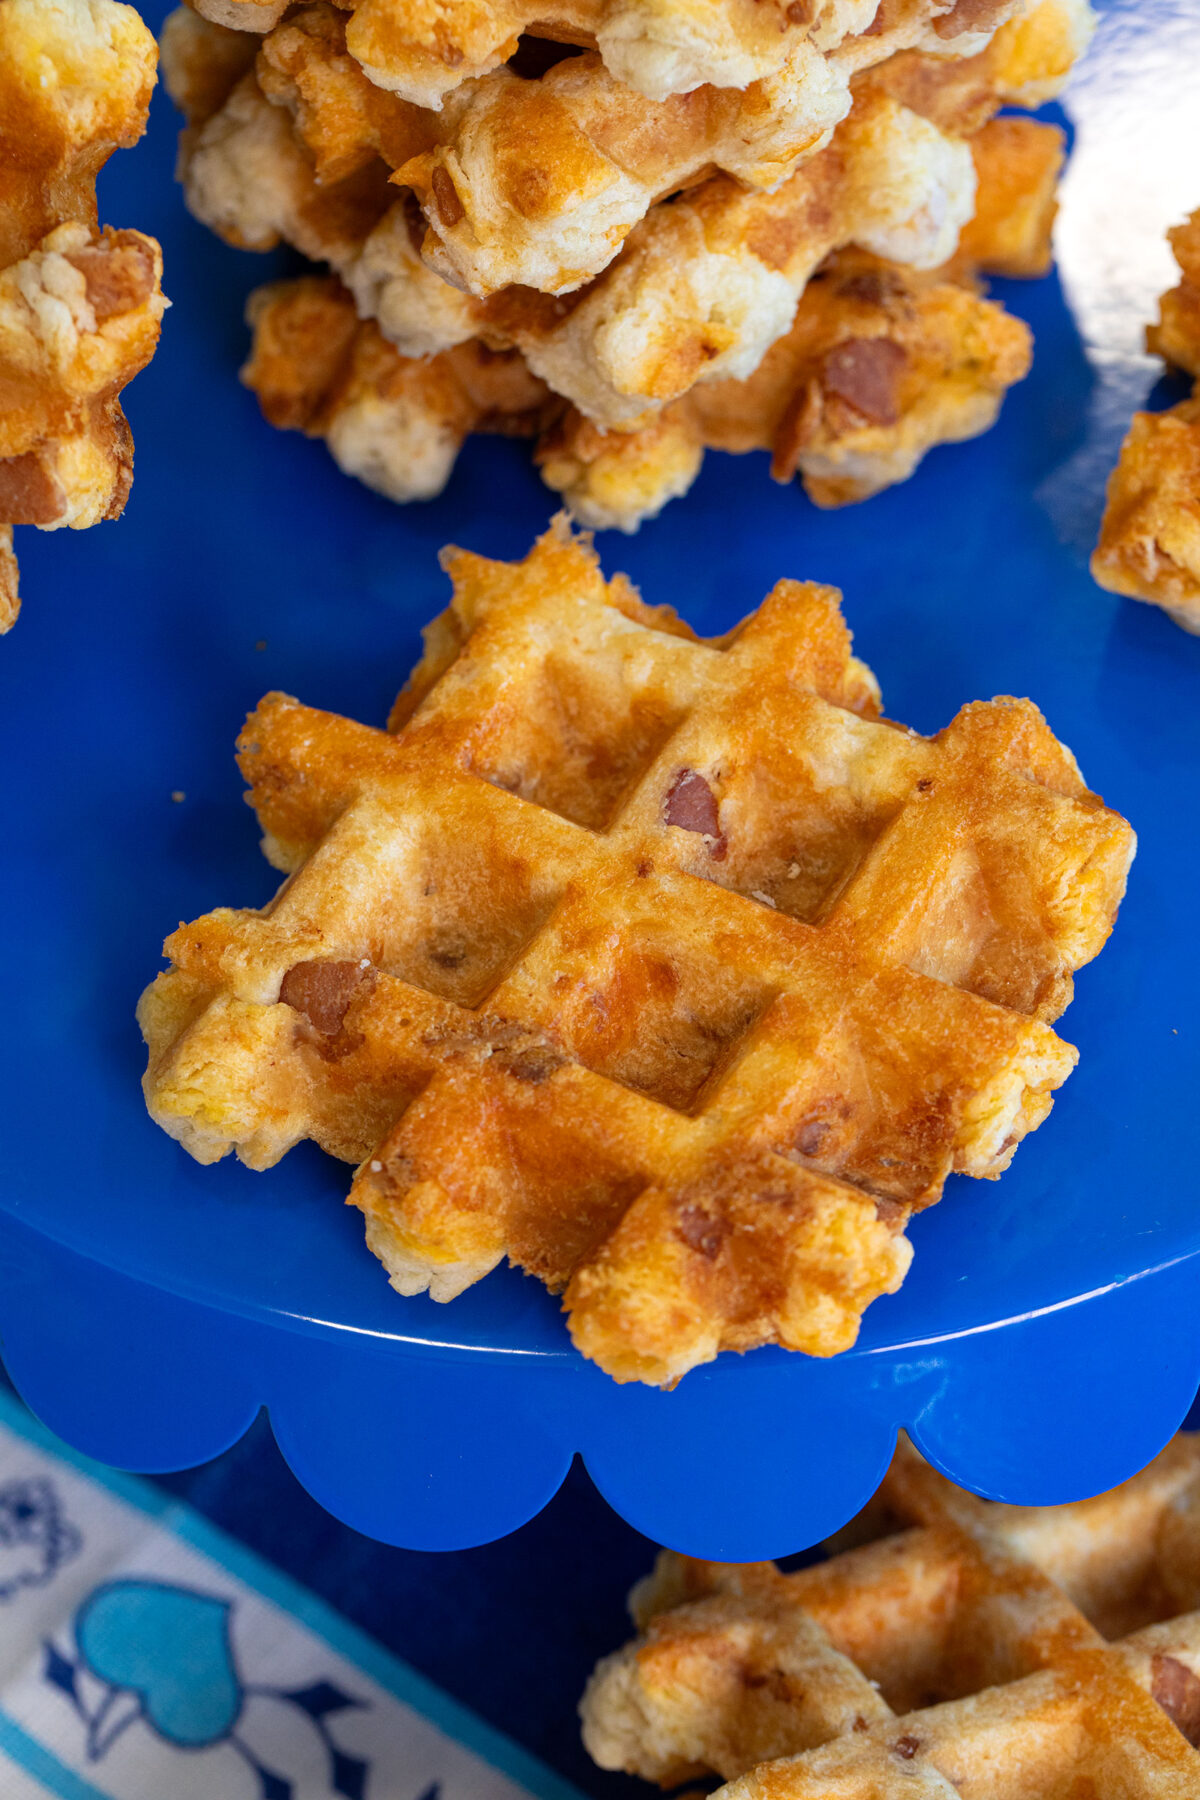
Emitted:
<point x="963" y="1650"/>
<point x="664" y="968"/>
<point x="648" y="229"/>
<point x="79" y="306"/>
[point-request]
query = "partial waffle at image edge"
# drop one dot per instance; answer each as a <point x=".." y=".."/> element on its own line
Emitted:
<point x="949" y="1645"/>
<point x="1149" y="546"/>
<point x="80" y="305"/>
<point x="662" y="967"/>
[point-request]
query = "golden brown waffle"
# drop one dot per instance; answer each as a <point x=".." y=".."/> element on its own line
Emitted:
<point x="966" y="1649"/>
<point x="75" y="85"/>
<point x="658" y="48"/>
<point x="1017" y="166"/>
<point x="539" y="182"/>
<point x="660" y="966"/>
<point x="79" y="307"/>
<point x="1149" y="546"/>
<point x="948" y="357"/>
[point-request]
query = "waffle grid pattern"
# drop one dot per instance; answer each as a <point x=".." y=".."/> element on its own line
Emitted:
<point x="965" y="1649"/>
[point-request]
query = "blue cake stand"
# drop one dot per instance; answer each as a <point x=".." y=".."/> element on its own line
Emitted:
<point x="1048" y="1339"/>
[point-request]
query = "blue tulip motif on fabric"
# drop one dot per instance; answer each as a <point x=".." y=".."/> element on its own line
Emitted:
<point x="165" y="1657"/>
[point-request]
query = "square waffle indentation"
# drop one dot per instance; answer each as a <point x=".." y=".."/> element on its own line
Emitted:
<point x="581" y="739"/>
<point x="795" y="827"/>
<point x="471" y="904"/>
<point x="634" y="993"/>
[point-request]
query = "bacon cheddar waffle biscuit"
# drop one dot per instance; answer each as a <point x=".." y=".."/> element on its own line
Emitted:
<point x="79" y="307"/>
<point x="1176" y="337"/>
<point x="302" y="148"/>
<point x="75" y="84"/>
<point x="878" y="367"/>
<point x="1149" y="546"/>
<point x="965" y="1648"/>
<point x="539" y="182"/>
<point x="660" y="966"/>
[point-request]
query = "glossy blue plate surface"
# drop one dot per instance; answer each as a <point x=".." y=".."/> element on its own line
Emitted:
<point x="148" y="1305"/>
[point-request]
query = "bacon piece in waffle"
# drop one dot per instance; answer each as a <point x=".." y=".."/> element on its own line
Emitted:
<point x="878" y="367"/>
<point x="79" y="317"/>
<point x="966" y="1649"/>
<point x="395" y="422"/>
<point x="1149" y="546"/>
<point x="658" y="48"/>
<point x="660" y="966"/>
